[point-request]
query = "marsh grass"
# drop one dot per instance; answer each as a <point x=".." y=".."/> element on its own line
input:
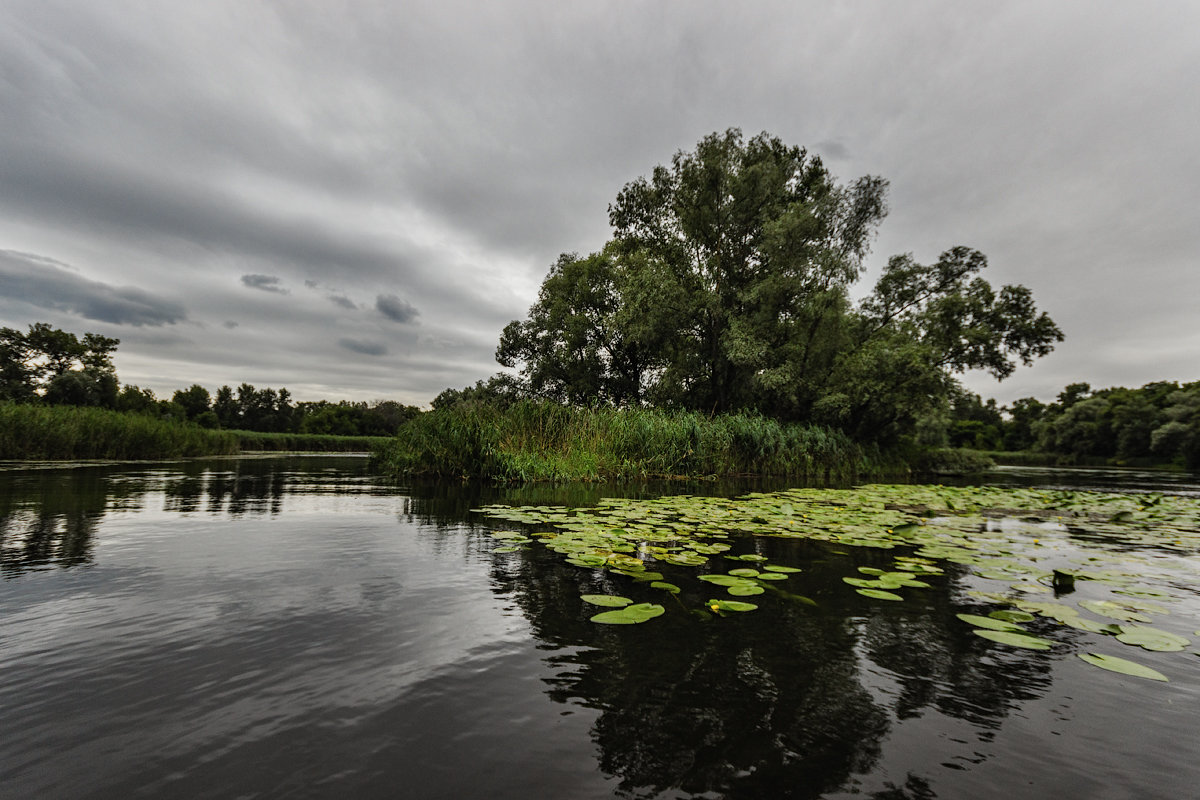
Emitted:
<point x="71" y="432"/>
<point x="306" y="442"/>
<point x="532" y="441"/>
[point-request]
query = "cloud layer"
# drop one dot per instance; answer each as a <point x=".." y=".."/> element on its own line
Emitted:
<point x="395" y="182"/>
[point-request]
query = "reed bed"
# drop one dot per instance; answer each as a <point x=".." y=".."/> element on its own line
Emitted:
<point x="537" y="441"/>
<point x="72" y="432"/>
<point x="306" y="442"/>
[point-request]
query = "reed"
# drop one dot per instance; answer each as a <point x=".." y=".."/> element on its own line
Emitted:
<point x="538" y="441"/>
<point x="72" y="432"/>
<point x="305" y="442"/>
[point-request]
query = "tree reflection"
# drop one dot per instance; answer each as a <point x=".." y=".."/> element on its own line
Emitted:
<point x="773" y="703"/>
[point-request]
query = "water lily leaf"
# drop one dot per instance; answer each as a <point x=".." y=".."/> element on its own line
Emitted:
<point x="879" y="594"/>
<point x="751" y="557"/>
<point x="990" y="623"/>
<point x="741" y="590"/>
<point x="506" y="549"/>
<point x="1008" y="615"/>
<point x="771" y="576"/>
<point x="1121" y="665"/>
<point x="1152" y="638"/>
<point x="670" y="587"/>
<point x="1118" y="611"/>
<point x="731" y="605"/>
<point x="630" y="615"/>
<point x="615" y="601"/>
<point x="777" y="568"/>
<point x="744" y="572"/>
<point x="1014" y="639"/>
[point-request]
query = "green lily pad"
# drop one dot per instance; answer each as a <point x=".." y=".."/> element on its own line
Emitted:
<point x="879" y="594"/>
<point x="744" y="591"/>
<point x="611" y="600"/>
<point x="988" y="622"/>
<point x="668" y="587"/>
<point x="744" y="572"/>
<point x="1014" y="639"/>
<point x="777" y="568"/>
<point x="1152" y="638"/>
<point x="630" y="615"/>
<point x="731" y="605"/>
<point x="1114" y="664"/>
<point x="1008" y="615"/>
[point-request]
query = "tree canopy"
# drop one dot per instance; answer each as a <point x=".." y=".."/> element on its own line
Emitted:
<point x="726" y="286"/>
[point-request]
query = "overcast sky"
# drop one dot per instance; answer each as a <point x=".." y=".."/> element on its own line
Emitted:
<point x="352" y="199"/>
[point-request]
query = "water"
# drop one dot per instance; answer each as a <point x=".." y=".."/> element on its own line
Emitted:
<point x="295" y="628"/>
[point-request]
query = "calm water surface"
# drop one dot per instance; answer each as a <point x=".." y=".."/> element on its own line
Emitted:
<point x="283" y="627"/>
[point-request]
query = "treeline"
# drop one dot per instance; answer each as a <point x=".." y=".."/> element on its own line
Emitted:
<point x="52" y="367"/>
<point x="269" y="411"/>
<point x="1157" y="424"/>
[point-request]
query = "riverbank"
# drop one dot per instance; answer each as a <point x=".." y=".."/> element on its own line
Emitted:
<point x="36" y="432"/>
<point x="533" y="441"/>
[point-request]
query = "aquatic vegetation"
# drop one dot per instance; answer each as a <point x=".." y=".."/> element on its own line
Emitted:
<point x="1035" y="556"/>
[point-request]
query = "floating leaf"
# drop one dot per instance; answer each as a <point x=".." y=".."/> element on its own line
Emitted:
<point x="731" y="605"/>
<point x="670" y="587"/>
<point x="1014" y="639"/>
<point x="1152" y="638"/>
<point x="744" y="572"/>
<point x="988" y="622"/>
<point x="879" y="594"/>
<point x="1008" y="615"/>
<point x="1118" y="611"/>
<point x="630" y="615"/>
<point x="777" y="568"/>
<point x="1121" y="665"/>
<point x="612" y="600"/>
<point x="744" y="591"/>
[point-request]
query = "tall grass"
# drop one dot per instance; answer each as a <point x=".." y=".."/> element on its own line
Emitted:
<point x="69" y="432"/>
<point x="306" y="442"/>
<point x="533" y="441"/>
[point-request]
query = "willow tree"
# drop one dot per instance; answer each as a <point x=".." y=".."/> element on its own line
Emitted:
<point x="726" y="286"/>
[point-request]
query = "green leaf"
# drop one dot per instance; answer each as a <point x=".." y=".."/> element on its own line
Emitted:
<point x="1015" y="639"/>
<point x="731" y="605"/>
<point x="669" y="587"/>
<point x="1008" y="615"/>
<point x="879" y="594"/>
<point x="631" y="615"/>
<point x="1152" y="638"/>
<point x="988" y="622"/>
<point x="744" y="572"/>
<point x="776" y="568"/>
<point x="612" y="600"/>
<point x="744" y="591"/>
<point x="1114" y="664"/>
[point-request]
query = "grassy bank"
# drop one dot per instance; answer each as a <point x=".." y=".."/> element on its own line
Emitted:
<point x="548" y="442"/>
<point x="307" y="442"/>
<point x="69" y="432"/>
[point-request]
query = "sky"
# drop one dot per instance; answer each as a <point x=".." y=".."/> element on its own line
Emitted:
<point x="352" y="199"/>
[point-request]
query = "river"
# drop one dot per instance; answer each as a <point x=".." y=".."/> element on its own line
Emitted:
<point x="297" y="627"/>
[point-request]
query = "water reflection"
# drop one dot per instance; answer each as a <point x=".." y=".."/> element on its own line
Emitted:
<point x="379" y="655"/>
<point x="48" y="516"/>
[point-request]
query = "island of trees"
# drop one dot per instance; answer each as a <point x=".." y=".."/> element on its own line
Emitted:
<point x="715" y="333"/>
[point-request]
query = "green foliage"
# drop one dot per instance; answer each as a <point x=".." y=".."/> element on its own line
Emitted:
<point x="546" y="441"/>
<point x="1156" y="424"/>
<point x="57" y="366"/>
<point x="726" y="288"/>
<point x="30" y="431"/>
<point x="304" y="442"/>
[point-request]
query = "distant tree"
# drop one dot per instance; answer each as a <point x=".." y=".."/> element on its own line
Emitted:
<point x="195" y="400"/>
<point x="500" y="390"/>
<point x="135" y="399"/>
<point x="225" y="407"/>
<point x="58" y="367"/>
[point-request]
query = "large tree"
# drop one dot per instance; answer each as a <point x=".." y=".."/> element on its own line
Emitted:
<point x="726" y="286"/>
<point x="57" y="366"/>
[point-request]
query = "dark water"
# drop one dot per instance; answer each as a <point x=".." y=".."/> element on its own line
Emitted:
<point x="294" y="628"/>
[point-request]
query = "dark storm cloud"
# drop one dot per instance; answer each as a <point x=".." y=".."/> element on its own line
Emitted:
<point x="363" y="347"/>
<point x="266" y="283"/>
<point x="395" y="309"/>
<point x="50" y="284"/>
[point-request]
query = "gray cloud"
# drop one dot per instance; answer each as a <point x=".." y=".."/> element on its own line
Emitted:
<point x="395" y="309"/>
<point x="230" y="324"/>
<point x="363" y="347"/>
<point x="267" y="283"/>
<point x="50" y="284"/>
<point x="456" y="154"/>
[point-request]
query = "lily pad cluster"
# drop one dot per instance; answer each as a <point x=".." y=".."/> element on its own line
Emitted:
<point x="1028" y="553"/>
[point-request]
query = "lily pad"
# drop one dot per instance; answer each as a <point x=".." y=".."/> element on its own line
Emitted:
<point x="1152" y="638"/>
<point x="989" y="623"/>
<point x="668" y="587"/>
<point x="611" y="600"/>
<point x="879" y="594"/>
<point x="1014" y="639"/>
<point x="731" y="605"/>
<point x="630" y="615"/>
<point x="1121" y="665"/>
